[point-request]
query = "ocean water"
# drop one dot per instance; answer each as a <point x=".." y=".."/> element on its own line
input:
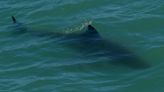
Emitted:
<point x="43" y="63"/>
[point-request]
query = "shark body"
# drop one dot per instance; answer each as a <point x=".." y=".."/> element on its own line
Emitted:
<point x="91" y="44"/>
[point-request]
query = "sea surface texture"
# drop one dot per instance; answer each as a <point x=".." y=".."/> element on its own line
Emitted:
<point x="35" y="57"/>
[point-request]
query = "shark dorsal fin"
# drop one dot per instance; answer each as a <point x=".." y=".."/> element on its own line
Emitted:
<point x="14" y="20"/>
<point x="91" y="31"/>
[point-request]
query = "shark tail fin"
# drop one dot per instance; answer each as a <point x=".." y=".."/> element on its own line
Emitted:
<point x="19" y="27"/>
<point x="14" y="20"/>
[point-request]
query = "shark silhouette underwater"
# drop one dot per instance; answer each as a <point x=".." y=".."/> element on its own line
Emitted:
<point x="91" y="44"/>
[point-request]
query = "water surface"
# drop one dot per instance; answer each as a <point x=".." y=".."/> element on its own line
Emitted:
<point x="30" y="63"/>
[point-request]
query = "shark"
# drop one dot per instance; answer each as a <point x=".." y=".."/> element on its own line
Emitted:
<point x="92" y="45"/>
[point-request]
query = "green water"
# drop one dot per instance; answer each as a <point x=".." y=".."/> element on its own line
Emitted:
<point x="30" y="63"/>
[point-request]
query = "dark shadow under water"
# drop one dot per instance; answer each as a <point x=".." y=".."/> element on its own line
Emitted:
<point x="91" y="45"/>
